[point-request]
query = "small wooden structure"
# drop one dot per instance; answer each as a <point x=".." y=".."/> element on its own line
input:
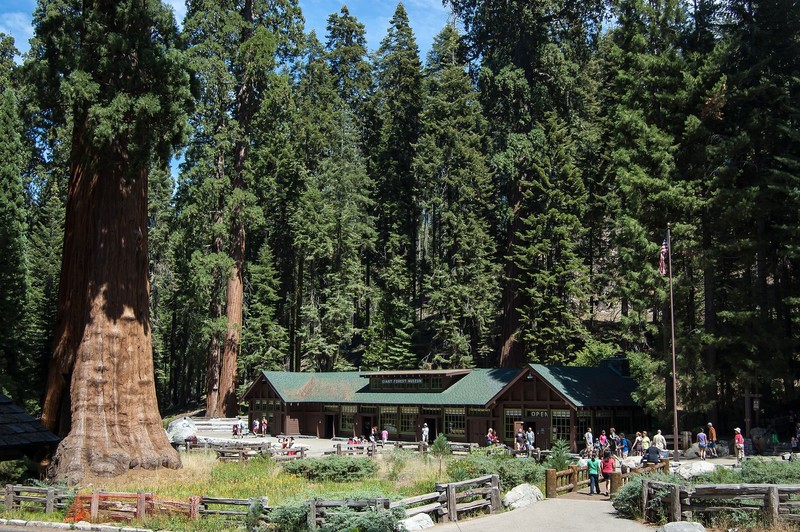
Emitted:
<point x="22" y="435"/>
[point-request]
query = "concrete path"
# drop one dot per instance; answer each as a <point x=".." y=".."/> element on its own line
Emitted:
<point x="580" y="513"/>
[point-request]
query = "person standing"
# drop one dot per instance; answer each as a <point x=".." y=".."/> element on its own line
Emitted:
<point x="490" y="438"/>
<point x="589" y="439"/>
<point x="264" y="426"/>
<point x="608" y="465"/>
<point x="712" y="440"/>
<point x="603" y="441"/>
<point x="384" y="436"/>
<point x="594" y="474"/>
<point x="256" y="427"/>
<point x="702" y="441"/>
<point x="645" y="441"/>
<point x="530" y="437"/>
<point x="624" y="445"/>
<point x="520" y="440"/>
<point x="738" y="441"/>
<point x="425" y="432"/>
<point x="659" y="440"/>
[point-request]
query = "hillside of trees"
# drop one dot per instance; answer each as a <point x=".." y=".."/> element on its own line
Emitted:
<point x="501" y="201"/>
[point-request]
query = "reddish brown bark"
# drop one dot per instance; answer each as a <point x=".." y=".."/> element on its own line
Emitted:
<point x="512" y="350"/>
<point x="215" y="347"/>
<point x="101" y="392"/>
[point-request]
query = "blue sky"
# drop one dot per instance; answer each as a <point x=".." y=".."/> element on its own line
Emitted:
<point x="427" y="18"/>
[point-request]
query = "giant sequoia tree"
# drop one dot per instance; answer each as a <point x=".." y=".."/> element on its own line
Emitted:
<point x="112" y="71"/>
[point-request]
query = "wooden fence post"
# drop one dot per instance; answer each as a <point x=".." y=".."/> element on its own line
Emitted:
<point x="573" y="476"/>
<point x="312" y="515"/>
<point x="49" y="502"/>
<point x="94" y="507"/>
<point x="140" y="505"/>
<point x="550" y="484"/>
<point x="452" y="511"/>
<point x="495" y="495"/>
<point x="616" y="481"/>
<point x="674" y="503"/>
<point x="645" y="493"/>
<point x="338" y="449"/>
<point x="771" y="503"/>
<point x="9" y="497"/>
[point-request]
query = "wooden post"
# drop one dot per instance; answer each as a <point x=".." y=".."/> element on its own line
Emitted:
<point x="645" y="492"/>
<point x="495" y="495"/>
<point x="771" y="503"/>
<point x="140" y="505"/>
<point x="50" y="501"/>
<point x="452" y="511"/>
<point x="550" y="484"/>
<point x="312" y="515"/>
<point x="381" y="502"/>
<point x="374" y="450"/>
<point x="9" y="497"/>
<point x="573" y="476"/>
<point x="674" y="503"/>
<point x="94" y="508"/>
<point x="616" y="481"/>
<point x="338" y="449"/>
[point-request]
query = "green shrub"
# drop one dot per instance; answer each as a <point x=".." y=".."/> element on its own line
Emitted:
<point x="15" y="472"/>
<point x="628" y="500"/>
<point x="760" y="471"/>
<point x="512" y="471"/>
<point x="334" y="468"/>
<point x="397" y="462"/>
<point x="290" y="517"/>
<point x="364" y="521"/>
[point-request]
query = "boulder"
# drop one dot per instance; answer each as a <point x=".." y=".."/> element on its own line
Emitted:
<point x="417" y="522"/>
<point x="682" y="526"/>
<point x="182" y="429"/>
<point x="694" y="469"/>
<point x="522" y="496"/>
<point x="632" y="462"/>
<point x="692" y="452"/>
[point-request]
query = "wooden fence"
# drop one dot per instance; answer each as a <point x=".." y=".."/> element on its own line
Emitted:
<point x="31" y="498"/>
<point x="445" y="504"/>
<point x="575" y="478"/>
<point x="677" y="503"/>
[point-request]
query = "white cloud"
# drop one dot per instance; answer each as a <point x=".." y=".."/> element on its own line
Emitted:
<point x="18" y="25"/>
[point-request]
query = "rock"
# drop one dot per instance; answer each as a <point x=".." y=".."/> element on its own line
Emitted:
<point x="692" y="452"/>
<point x="632" y="462"/>
<point x="682" y="526"/>
<point x="417" y="522"/>
<point x="695" y="469"/>
<point x="522" y="496"/>
<point x="182" y="429"/>
<point x="583" y="462"/>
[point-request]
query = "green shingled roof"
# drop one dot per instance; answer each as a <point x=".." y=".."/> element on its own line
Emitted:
<point x="589" y="387"/>
<point x="474" y="389"/>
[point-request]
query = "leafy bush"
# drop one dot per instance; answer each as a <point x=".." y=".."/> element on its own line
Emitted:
<point x="760" y="471"/>
<point x="512" y="471"/>
<point x="397" y="462"/>
<point x="290" y="517"/>
<point x="628" y="500"/>
<point x="14" y="472"/>
<point x="364" y="521"/>
<point x="338" y="468"/>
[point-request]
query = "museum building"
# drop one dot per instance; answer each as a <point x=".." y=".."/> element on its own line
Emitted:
<point x="559" y="402"/>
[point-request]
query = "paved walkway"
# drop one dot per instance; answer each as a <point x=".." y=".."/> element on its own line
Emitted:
<point x="577" y="512"/>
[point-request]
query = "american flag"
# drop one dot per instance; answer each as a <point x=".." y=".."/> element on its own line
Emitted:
<point x="662" y="262"/>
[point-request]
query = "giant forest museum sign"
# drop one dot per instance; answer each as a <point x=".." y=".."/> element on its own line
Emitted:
<point x="557" y="402"/>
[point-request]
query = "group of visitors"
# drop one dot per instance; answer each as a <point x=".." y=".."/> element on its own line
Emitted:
<point x="259" y="428"/>
<point x="617" y="444"/>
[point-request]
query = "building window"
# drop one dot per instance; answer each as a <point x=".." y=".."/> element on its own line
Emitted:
<point x="602" y="418"/>
<point x="511" y="415"/>
<point x="330" y="408"/>
<point x="431" y="411"/>
<point x="389" y="418"/>
<point x="408" y="418"/>
<point x="347" y="418"/>
<point x="369" y="409"/>
<point x="584" y="422"/>
<point x="454" y="421"/>
<point x="560" y="424"/>
<point x="480" y="412"/>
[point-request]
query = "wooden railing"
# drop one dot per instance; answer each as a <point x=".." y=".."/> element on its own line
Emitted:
<point x="678" y="503"/>
<point x="575" y="478"/>
<point x="47" y="500"/>
<point x="445" y="504"/>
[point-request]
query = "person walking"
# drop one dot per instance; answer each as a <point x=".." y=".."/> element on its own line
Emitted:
<point x="594" y="474"/>
<point x="589" y="439"/>
<point x="702" y="442"/>
<point x="425" y="432"/>
<point x="608" y="465"/>
<point x="530" y="437"/>
<point x="660" y="441"/>
<point x="712" y="440"/>
<point x="738" y="441"/>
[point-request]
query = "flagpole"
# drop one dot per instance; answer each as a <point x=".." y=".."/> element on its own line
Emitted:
<point x="674" y="365"/>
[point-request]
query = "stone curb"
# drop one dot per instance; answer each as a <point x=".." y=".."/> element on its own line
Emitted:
<point x="71" y="526"/>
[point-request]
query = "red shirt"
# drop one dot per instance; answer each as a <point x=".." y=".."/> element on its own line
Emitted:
<point x="608" y="465"/>
<point x="739" y="439"/>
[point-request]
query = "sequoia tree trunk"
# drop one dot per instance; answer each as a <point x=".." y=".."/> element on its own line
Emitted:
<point x="101" y="394"/>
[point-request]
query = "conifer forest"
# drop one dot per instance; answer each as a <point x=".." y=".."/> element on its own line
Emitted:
<point x="500" y="201"/>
